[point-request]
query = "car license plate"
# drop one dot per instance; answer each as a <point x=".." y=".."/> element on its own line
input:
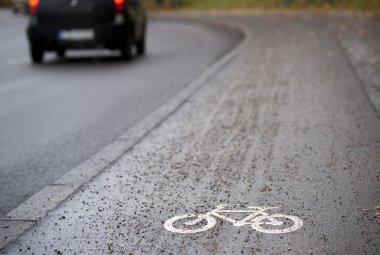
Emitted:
<point x="76" y="35"/>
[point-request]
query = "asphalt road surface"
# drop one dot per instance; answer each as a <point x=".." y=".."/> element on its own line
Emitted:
<point x="285" y="121"/>
<point x="55" y="116"/>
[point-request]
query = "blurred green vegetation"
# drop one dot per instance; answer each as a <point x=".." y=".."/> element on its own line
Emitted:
<point x="362" y="5"/>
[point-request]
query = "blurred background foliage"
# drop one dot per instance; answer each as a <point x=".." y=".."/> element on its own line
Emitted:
<point x="363" y="5"/>
<point x="4" y="2"/>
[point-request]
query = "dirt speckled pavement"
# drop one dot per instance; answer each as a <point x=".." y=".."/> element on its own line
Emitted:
<point x="286" y="123"/>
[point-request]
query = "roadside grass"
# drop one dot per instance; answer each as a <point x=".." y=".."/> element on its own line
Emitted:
<point x="372" y="6"/>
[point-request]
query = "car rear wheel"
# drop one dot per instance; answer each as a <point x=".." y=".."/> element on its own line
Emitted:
<point x="126" y="49"/>
<point x="37" y="54"/>
<point x="140" y="45"/>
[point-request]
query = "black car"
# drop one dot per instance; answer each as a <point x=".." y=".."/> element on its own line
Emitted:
<point x="58" y="25"/>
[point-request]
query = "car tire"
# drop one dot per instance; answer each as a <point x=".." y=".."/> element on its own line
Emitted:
<point x="36" y="54"/>
<point x="140" y="45"/>
<point x="61" y="53"/>
<point x="126" y="49"/>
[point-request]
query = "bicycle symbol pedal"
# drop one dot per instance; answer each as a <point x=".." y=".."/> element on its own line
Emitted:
<point x="258" y="218"/>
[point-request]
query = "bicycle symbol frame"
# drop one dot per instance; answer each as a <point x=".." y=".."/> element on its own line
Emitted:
<point x="258" y="218"/>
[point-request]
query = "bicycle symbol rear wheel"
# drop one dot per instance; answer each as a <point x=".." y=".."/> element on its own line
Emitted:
<point x="263" y="223"/>
<point x="190" y="220"/>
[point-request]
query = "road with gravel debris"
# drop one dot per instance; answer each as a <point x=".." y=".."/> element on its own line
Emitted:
<point x="276" y="152"/>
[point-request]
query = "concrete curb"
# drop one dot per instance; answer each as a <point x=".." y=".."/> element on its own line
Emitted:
<point x="38" y="206"/>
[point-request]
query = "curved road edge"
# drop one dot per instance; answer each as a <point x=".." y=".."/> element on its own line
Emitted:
<point x="29" y="213"/>
<point x="359" y="41"/>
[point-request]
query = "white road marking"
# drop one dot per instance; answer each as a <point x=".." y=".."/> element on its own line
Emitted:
<point x="259" y="219"/>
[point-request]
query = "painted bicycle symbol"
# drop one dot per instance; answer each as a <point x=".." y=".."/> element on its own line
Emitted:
<point x="257" y="217"/>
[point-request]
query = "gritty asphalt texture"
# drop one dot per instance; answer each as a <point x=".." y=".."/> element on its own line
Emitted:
<point x="287" y="123"/>
<point x="360" y="38"/>
<point x="55" y="116"/>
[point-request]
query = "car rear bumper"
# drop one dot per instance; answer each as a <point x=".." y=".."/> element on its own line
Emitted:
<point x="109" y="36"/>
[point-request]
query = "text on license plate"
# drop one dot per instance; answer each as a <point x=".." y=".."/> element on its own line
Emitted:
<point x="76" y="35"/>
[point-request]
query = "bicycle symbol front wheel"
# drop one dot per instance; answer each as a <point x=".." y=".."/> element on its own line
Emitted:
<point x="192" y="223"/>
<point x="272" y="224"/>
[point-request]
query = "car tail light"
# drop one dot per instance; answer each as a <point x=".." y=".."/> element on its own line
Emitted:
<point x="119" y="5"/>
<point x="33" y="4"/>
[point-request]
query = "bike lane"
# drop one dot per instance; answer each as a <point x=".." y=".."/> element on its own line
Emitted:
<point x="285" y="123"/>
